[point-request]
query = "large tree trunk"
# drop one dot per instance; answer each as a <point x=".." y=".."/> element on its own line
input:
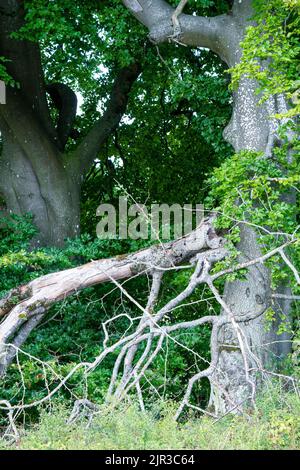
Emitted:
<point x="33" y="177"/>
<point x="250" y="128"/>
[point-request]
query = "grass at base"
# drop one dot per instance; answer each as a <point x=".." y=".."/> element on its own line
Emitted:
<point x="274" y="425"/>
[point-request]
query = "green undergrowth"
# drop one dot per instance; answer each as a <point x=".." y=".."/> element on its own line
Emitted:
<point x="274" y="425"/>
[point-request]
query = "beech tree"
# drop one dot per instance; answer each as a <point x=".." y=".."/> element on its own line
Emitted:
<point x="38" y="174"/>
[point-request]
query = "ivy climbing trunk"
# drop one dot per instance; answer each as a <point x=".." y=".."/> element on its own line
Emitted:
<point x="251" y="128"/>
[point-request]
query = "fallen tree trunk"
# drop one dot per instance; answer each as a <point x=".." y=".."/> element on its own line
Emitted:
<point x="24" y="307"/>
<point x="202" y="249"/>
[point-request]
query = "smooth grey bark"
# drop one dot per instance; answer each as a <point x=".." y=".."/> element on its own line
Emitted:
<point x="250" y="128"/>
<point x="37" y="175"/>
